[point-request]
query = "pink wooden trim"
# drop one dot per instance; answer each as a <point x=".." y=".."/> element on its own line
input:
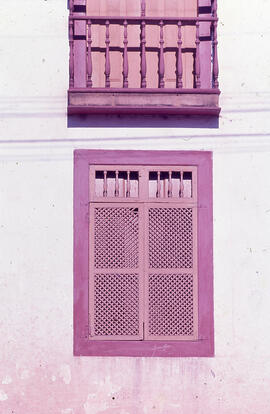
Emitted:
<point x="204" y="346"/>
<point x="71" y="6"/>
<point x="79" y="2"/>
<point x="143" y="56"/>
<point x="107" y="55"/>
<point x="197" y="59"/>
<point x="215" y="43"/>
<point x="148" y="90"/>
<point x="89" y="82"/>
<point x="140" y="110"/>
<point x="161" y="56"/>
<point x="71" y="54"/>
<point x="179" y="58"/>
<point x="125" y="57"/>
<point x="139" y="19"/>
<point x="205" y="46"/>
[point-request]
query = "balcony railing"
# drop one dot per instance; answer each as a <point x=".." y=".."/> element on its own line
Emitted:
<point x="82" y="74"/>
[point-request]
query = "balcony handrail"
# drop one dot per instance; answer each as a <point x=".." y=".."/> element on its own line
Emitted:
<point x="149" y="20"/>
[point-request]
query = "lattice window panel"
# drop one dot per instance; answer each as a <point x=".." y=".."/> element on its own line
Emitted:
<point x="116" y="311"/>
<point x="116" y="237"/>
<point x="115" y="274"/>
<point x="170" y="238"/>
<point x="171" y="306"/>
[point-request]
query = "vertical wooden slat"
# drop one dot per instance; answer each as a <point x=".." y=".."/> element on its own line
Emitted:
<point x="161" y="56"/>
<point x="181" y="192"/>
<point x="116" y="183"/>
<point x="71" y="53"/>
<point x="197" y="59"/>
<point x="215" y="43"/>
<point x="107" y="56"/>
<point x="158" y="185"/>
<point x="179" y="83"/>
<point x="105" y="185"/>
<point x="89" y="57"/>
<point x="170" y="184"/>
<point x="143" y="56"/>
<point x="125" y="57"/>
<point x="128" y="184"/>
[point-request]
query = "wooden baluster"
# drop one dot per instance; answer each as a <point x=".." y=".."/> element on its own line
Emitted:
<point x="215" y="43"/>
<point x="197" y="60"/>
<point x="125" y="57"/>
<point x="116" y="183"/>
<point x="71" y="53"/>
<point x="158" y="185"/>
<point x="105" y="185"/>
<point x="143" y="7"/>
<point x="124" y="186"/>
<point x="89" y="83"/>
<point x="181" y="192"/>
<point x="170" y="185"/>
<point x="107" y="56"/>
<point x="179" y="83"/>
<point x="161" y="56"/>
<point x="143" y="56"/>
<point x="128" y="184"/>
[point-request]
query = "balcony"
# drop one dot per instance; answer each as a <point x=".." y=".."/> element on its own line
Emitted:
<point x="143" y="64"/>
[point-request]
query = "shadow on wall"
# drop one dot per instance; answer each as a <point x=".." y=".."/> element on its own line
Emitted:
<point x="139" y="121"/>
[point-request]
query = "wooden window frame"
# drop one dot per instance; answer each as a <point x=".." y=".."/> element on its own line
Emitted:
<point x="204" y="345"/>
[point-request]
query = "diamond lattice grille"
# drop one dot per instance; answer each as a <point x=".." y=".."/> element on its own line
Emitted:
<point x="170" y="238"/>
<point x="116" y="304"/>
<point x="171" y="304"/>
<point x="116" y="237"/>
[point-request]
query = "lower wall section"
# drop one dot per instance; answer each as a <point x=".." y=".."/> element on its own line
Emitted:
<point x="38" y="372"/>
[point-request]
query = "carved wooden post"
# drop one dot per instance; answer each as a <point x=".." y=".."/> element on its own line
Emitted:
<point x="170" y="184"/>
<point x="161" y="57"/>
<point x="197" y="60"/>
<point x="71" y="54"/>
<point x="125" y="57"/>
<point x="107" y="56"/>
<point x="128" y="184"/>
<point x="116" y="183"/>
<point x="143" y="6"/>
<point x="89" y="57"/>
<point x="143" y="56"/>
<point x="158" y="185"/>
<point x="215" y="43"/>
<point x="179" y="83"/>
<point x="181" y="192"/>
<point x="105" y="185"/>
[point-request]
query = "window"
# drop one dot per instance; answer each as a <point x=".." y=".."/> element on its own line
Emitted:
<point x="143" y="253"/>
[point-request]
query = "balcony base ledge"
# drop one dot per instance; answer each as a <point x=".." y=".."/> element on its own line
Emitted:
<point x="148" y="103"/>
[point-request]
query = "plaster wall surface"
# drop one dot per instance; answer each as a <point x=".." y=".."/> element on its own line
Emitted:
<point x="38" y="373"/>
